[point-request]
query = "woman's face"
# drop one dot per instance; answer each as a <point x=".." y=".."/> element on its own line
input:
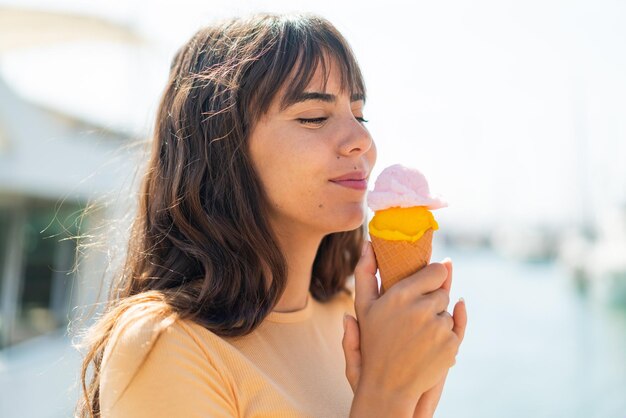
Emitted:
<point x="298" y="152"/>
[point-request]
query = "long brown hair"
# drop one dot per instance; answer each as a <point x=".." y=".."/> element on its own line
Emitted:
<point x="200" y="246"/>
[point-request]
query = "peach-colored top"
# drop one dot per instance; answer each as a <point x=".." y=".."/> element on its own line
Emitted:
<point x="291" y="366"/>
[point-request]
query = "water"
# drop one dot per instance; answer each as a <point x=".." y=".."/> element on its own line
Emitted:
<point x="534" y="346"/>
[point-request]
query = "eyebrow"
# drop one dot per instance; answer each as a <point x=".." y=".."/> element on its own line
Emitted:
<point x="324" y="97"/>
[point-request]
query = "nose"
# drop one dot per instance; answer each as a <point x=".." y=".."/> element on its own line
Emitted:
<point x="355" y="140"/>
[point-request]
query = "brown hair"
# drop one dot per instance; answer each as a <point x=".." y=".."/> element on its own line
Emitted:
<point x="200" y="246"/>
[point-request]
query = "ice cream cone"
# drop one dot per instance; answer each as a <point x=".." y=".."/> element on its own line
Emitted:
<point x="402" y="226"/>
<point x="398" y="259"/>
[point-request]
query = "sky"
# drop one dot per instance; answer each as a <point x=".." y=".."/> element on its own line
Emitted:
<point x="514" y="111"/>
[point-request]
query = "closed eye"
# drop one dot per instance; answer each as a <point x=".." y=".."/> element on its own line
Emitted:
<point x="313" y="121"/>
<point x="317" y="121"/>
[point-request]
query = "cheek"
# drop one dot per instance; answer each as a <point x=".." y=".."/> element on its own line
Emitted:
<point x="293" y="176"/>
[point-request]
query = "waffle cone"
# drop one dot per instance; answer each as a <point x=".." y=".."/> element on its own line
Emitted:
<point x="399" y="259"/>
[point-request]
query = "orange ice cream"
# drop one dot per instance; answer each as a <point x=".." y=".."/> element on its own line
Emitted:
<point x="397" y="224"/>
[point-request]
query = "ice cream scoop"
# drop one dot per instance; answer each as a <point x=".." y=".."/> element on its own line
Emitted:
<point x="399" y="186"/>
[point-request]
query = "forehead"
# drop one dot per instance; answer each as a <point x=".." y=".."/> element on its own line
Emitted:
<point x="326" y="74"/>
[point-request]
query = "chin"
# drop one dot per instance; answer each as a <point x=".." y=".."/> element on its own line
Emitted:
<point x="350" y="223"/>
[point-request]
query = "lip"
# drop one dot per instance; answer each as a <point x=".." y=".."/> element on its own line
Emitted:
<point x="354" y="180"/>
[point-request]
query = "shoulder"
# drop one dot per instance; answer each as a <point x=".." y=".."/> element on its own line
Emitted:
<point x="135" y="333"/>
<point x="140" y="330"/>
<point x="147" y="349"/>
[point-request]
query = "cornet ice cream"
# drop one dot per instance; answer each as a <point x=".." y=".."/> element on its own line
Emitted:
<point x="402" y="227"/>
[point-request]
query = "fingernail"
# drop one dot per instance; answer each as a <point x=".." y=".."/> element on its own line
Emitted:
<point x="364" y="249"/>
<point x="345" y="321"/>
<point x="447" y="259"/>
<point x="461" y="300"/>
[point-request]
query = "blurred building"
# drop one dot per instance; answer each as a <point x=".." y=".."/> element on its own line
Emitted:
<point x="52" y="165"/>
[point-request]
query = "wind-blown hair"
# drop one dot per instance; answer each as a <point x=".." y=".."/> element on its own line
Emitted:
<point x="200" y="245"/>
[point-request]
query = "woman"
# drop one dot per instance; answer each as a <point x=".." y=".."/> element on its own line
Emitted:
<point x="249" y="225"/>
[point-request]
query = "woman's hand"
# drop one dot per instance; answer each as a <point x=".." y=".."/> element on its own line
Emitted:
<point x="429" y="400"/>
<point x="366" y="283"/>
<point x="427" y="403"/>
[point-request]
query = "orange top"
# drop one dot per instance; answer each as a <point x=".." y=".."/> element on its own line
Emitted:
<point x="291" y="366"/>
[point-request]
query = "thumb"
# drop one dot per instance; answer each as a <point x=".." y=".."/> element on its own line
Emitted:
<point x="366" y="285"/>
<point x="352" y="351"/>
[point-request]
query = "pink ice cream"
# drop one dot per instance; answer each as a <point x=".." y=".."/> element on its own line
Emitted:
<point x="399" y="186"/>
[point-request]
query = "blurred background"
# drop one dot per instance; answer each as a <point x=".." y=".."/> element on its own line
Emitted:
<point x="514" y="111"/>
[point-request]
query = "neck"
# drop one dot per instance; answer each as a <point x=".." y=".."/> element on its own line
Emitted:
<point x="300" y="249"/>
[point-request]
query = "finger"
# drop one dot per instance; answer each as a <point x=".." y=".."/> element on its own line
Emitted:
<point x="460" y="319"/>
<point x="438" y="300"/>
<point x="352" y="351"/>
<point x="366" y="285"/>
<point x="447" y="319"/>
<point x="424" y="281"/>
<point x="447" y="262"/>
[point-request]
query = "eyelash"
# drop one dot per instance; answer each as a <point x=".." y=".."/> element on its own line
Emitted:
<point x="316" y="121"/>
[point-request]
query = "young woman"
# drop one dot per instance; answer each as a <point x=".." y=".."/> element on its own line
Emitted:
<point x="249" y="227"/>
